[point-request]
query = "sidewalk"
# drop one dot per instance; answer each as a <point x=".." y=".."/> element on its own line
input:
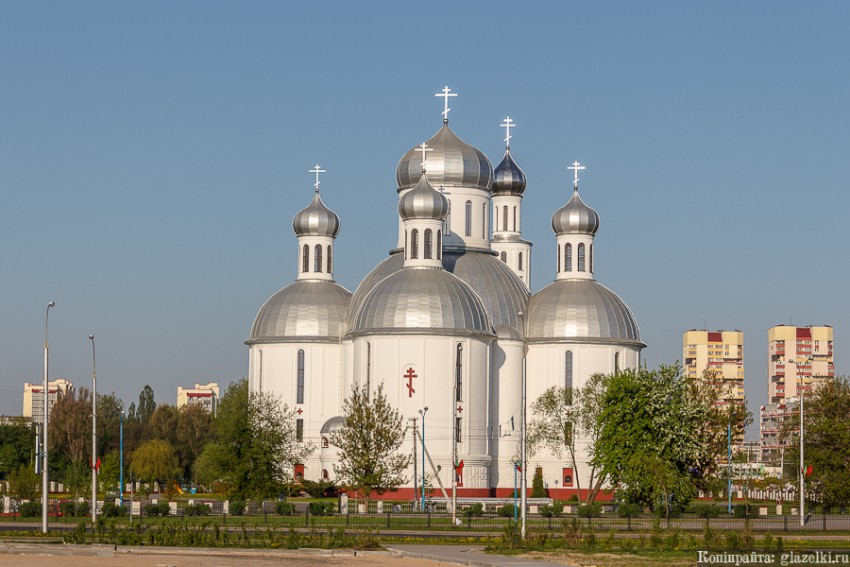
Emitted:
<point x="467" y="555"/>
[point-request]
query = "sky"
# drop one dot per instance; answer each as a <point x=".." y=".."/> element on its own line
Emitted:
<point x="153" y="154"/>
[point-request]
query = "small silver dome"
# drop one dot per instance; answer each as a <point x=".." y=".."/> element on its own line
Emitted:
<point x="575" y="218"/>
<point x="423" y="202"/>
<point x="508" y="178"/>
<point x="316" y="220"/>
<point x="451" y="162"/>
<point x="302" y="311"/>
<point x="331" y="425"/>
<point x="422" y="301"/>
<point x="388" y="266"/>
<point x="581" y="309"/>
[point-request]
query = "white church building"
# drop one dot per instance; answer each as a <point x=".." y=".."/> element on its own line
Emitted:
<point x="445" y="321"/>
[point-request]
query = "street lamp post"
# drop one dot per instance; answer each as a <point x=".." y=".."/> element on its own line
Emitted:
<point x="802" y="460"/>
<point x="515" y="463"/>
<point x="422" y="412"/>
<point x="46" y="395"/>
<point x="121" y="459"/>
<point x="93" y="433"/>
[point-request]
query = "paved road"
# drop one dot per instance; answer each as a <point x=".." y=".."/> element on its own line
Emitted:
<point x="468" y="555"/>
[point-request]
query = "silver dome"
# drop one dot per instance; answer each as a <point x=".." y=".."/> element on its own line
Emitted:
<point x="388" y="266"/>
<point x="451" y="162"/>
<point x="501" y="291"/>
<point x="581" y="309"/>
<point x="422" y="300"/>
<point x="575" y="218"/>
<point x="508" y="178"/>
<point x="316" y="220"/>
<point x="302" y="311"/>
<point x="331" y="425"/>
<point x="423" y="202"/>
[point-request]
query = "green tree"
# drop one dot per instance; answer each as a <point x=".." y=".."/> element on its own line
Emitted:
<point x="17" y="442"/>
<point x="147" y="404"/>
<point x="650" y="427"/>
<point x="24" y="483"/>
<point x="827" y="442"/>
<point x="110" y="473"/>
<point x="254" y="449"/>
<point x="194" y="431"/>
<point x="538" y="490"/>
<point x="562" y="414"/>
<point x="70" y="428"/>
<point x="155" y="461"/>
<point x="368" y="443"/>
<point x="109" y="408"/>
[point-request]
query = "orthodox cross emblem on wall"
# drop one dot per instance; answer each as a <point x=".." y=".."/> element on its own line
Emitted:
<point x="410" y="375"/>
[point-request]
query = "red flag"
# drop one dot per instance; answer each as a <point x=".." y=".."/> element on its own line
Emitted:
<point x="459" y="467"/>
<point x="97" y="466"/>
<point x="808" y="470"/>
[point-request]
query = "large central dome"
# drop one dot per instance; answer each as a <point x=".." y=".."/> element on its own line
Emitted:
<point x="451" y="162"/>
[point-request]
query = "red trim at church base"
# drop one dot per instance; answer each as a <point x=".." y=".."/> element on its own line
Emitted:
<point x="560" y="494"/>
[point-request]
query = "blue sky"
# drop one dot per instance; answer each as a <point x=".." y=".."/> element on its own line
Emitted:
<point x="152" y="156"/>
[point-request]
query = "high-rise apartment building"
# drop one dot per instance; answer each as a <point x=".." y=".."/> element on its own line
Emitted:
<point x="34" y="398"/>
<point x="722" y="354"/>
<point x="204" y="395"/>
<point x="810" y="349"/>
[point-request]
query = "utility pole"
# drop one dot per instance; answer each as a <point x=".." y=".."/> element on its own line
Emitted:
<point x="415" y="469"/>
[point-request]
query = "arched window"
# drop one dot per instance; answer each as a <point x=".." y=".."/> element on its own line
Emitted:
<point x="616" y="362"/>
<point x="581" y="257"/>
<point x="426" y="253"/>
<point x="414" y="244"/>
<point x="468" y="220"/>
<point x="325" y="474"/>
<point x="591" y="258"/>
<point x="439" y="245"/>
<point x="483" y="220"/>
<point x="504" y="257"/>
<point x="299" y="392"/>
<point x="406" y="244"/>
<point x="447" y="226"/>
<point x="330" y="260"/>
<point x="325" y="444"/>
<point x="515" y="219"/>
<point x="305" y="259"/>
<point x="495" y="218"/>
<point x="505" y="218"/>
<point x="568" y="258"/>
<point x="519" y="264"/>
<point x="368" y="368"/>
<point x="317" y="261"/>
<point x="559" y="258"/>
<point x="459" y="373"/>
<point x="568" y="370"/>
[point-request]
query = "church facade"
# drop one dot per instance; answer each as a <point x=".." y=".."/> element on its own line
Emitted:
<point x="445" y="322"/>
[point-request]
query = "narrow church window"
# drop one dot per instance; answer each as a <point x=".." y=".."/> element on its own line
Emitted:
<point x="505" y="218"/>
<point x="459" y="374"/>
<point x="616" y="362"/>
<point x="260" y="379"/>
<point x="414" y="244"/>
<point x="581" y="257"/>
<point x="468" y="220"/>
<point x="406" y="245"/>
<point x="568" y="370"/>
<point x="305" y="259"/>
<point x="515" y="219"/>
<point x="426" y="253"/>
<point x="325" y="443"/>
<point x="299" y="430"/>
<point x="483" y="220"/>
<point x="591" y="258"/>
<point x="559" y="258"/>
<point x="458" y="429"/>
<point x="330" y="260"/>
<point x="299" y="391"/>
<point x="317" y="261"/>
<point x="520" y="262"/>
<point x="568" y="258"/>
<point x="447" y="226"/>
<point x="368" y="368"/>
<point x="439" y="245"/>
<point x="495" y="218"/>
<point x="504" y="257"/>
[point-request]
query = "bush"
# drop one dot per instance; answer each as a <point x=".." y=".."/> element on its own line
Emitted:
<point x="199" y="509"/>
<point x="707" y="510"/>
<point x="743" y="511"/>
<point x="320" y="489"/>
<point x="284" y="508"/>
<point x="474" y="511"/>
<point x="159" y="509"/>
<point x="506" y="511"/>
<point x="30" y="509"/>
<point x="237" y="507"/>
<point x="110" y="510"/>
<point x="629" y="510"/>
<point x="68" y="509"/>
<point x="555" y="510"/>
<point x="538" y="489"/>
<point x="675" y="511"/>
<point x="590" y="510"/>
<point x="322" y="508"/>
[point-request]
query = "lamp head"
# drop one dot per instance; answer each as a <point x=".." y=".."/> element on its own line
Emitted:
<point x="51" y="303"/>
<point x="91" y="337"/>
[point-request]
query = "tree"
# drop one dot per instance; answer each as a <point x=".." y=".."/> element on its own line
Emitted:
<point x="70" y="426"/>
<point x="368" y="443"/>
<point x="563" y="414"/>
<point x="650" y="427"/>
<point x="538" y="489"/>
<point x="110" y="473"/>
<point x="17" y="439"/>
<point x="155" y="461"/>
<point x="194" y="426"/>
<point x="827" y="443"/>
<point x="254" y="449"/>
<point x="147" y="405"/>
<point x="24" y="483"/>
<point x="109" y="408"/>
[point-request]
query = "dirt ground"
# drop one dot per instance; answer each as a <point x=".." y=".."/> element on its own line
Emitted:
<point x="66" y="556"/>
